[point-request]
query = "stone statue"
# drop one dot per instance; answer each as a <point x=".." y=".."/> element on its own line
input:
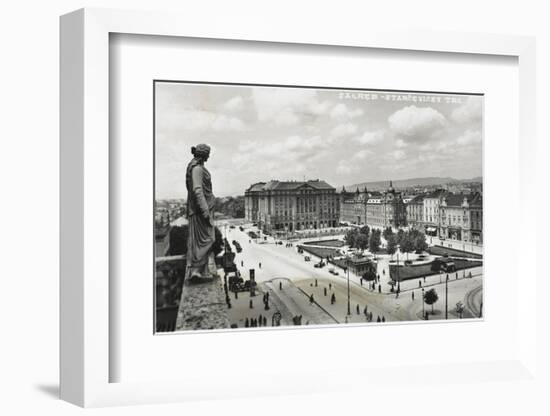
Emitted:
<point x="200" y="205"/>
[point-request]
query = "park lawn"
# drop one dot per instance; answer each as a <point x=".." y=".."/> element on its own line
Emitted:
<point x="440" y="251"/>
<point x="326" y="243"/>
<point x="413" y="272"/>
<point x="320" y="251"/>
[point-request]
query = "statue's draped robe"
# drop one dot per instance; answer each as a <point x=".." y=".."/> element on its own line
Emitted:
<point x="200" y="204"/>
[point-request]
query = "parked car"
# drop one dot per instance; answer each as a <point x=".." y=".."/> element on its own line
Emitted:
<point x="307" y="258"/>
<point x="320" y="264"/>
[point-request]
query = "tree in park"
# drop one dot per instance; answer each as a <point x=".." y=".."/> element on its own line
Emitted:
<point x="350" y="237"/>
<point x="374" y="242"/>
<point x="420" y="243"/>
<point x="391" y="247"/>
<point x="387" y="233"/>
<point x="406" y="245"/>
<point x="399" y="236"/>
<point x="414" y="233"/>
<point x="365" y="230"/>
<point x="430" y="297"/>
<point x="361" y="241"/>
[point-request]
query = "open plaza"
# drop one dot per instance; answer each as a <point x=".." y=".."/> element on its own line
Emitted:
<point x="289" y="272"/>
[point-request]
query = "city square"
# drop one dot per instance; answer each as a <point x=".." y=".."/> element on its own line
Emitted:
<point x="304" y="207"/>
<point x="274" y="263"/>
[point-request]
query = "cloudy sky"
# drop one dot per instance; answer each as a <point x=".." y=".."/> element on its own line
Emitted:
<point x="343" y="137"/>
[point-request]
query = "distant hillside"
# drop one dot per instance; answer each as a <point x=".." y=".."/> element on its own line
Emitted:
<point x="406" y="183"/>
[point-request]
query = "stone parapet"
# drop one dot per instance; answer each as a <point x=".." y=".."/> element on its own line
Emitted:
<point x="203" y="306"/>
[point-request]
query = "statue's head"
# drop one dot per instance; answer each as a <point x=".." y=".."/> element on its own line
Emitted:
<point x="201" y="151"/>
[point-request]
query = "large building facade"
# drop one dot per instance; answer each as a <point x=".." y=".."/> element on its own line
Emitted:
<point x="448" y="215"/>
<point x="353" y="206"/>
<point x="461" y="217"/>
<point x="415" y="212"/>
<point x="289" y="206"/>
<point x="432" y="215"/>
<point x="375" y="209"/>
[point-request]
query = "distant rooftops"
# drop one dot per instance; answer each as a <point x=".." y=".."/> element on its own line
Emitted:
<point x="438" y="193"/>
<point x="451" y="199"/>
<point x="418" y="199"/>
<point x="456" y="200"/>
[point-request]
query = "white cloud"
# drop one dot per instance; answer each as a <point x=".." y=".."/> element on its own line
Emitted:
<point x="318" y="108"/>
<point x="342" y="112"/>
<point x="286" y="117"/>
<point x="200" y="121"/>
<point x="362" y="154"/>
<point x="225" y="123"/>
<point x="370" y="137"/>
<point x="285" y="106"/>
<point x="398" y="155"/>
<point x="399" y="143"/>
<point x="470" y="111"/>
<point x="343" y="130"/>
<point x="417" y="123"/>
<point x="345" y="167"/>
<point x="234" y="104"/>
<point x="469" y="137"/>
<point x="288" y="155"/>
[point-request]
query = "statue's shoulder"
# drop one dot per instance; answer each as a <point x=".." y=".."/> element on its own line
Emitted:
<point x="197" y="171"/>
<point x="192" y="165"/>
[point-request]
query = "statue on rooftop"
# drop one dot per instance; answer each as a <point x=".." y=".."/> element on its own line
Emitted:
<point x="200" y="205"/>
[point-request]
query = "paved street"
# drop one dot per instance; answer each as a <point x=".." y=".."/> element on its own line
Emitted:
<point x="280" y="264"/>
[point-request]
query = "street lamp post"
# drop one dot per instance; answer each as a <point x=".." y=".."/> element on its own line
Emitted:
<point x="398" y="284"/>
<point x="446" y="295"/>
<point x="347" y="272"/>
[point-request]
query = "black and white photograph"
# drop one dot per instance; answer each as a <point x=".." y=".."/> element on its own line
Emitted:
<point x="275" y="208"/>
<point x="284" y="206"/>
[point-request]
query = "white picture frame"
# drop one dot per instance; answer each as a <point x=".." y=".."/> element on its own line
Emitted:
<point x="85" y="262"/>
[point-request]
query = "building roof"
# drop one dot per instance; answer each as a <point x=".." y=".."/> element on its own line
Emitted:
<point x="417" y="199"/>
<point x="275" y="185"/>
<point x="256" y="187"/>
<point x="353" y="197"/>
<point x="436" y="194"/>
<point x="456" y="200"/>
<point x="477" y="200"/>
<point x="359" y="260"/>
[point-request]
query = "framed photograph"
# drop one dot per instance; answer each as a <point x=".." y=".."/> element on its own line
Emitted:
<point x="234" y="206"/>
